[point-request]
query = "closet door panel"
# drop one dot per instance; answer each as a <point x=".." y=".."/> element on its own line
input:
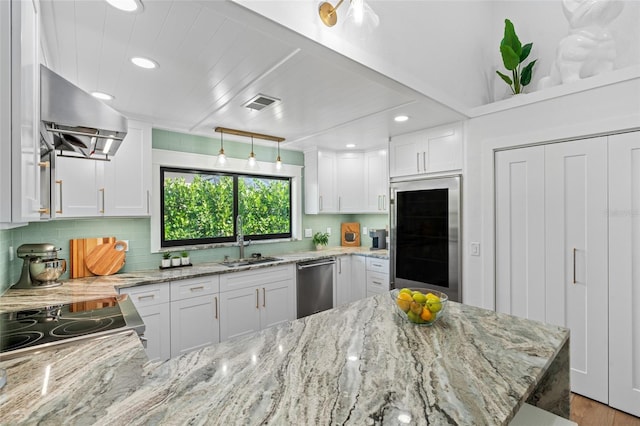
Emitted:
<point x="577" y="257"/>
<point x="624" y="272"/>
<point x="520" y="277"/>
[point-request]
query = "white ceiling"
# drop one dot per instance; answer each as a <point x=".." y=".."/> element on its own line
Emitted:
<point x="214" y="56"/>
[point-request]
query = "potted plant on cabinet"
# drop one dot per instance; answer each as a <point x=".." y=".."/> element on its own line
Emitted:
<point x="166" y="259"/>
<point x="320" y="240"/>
<point x="175" y="261"/>
<point x="185" y="258"/>
<point x="513" y="55"/>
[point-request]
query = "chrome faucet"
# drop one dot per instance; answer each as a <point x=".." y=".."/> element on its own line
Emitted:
<point x="240" y="236"/>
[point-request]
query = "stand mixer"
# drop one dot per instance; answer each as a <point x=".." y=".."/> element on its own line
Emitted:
<point x="41" y="267"/>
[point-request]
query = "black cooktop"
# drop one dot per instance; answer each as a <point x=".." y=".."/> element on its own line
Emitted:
<point x="50" y="325"/>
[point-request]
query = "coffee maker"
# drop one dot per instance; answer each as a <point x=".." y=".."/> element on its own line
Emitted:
<point x="378" y="239"/>
<point x="41" y="267"/>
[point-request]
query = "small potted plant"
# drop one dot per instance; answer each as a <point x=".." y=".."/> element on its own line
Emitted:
<point x="175" y="261"/>
<point x="320" y="240"/>
<point x="513" y="55"/>
<point x="185" y="258"/>
<point x="166" y="259"/>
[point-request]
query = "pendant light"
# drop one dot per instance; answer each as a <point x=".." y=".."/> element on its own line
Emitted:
<point x="278" y="160"/>
<point x="251" y="161"/>
<point x="221" y="161"/>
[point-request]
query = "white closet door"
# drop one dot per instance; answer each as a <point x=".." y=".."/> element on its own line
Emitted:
<point x="624" y="272"/>
<point x="520" y="277"/>
<point x="576" y="257"/>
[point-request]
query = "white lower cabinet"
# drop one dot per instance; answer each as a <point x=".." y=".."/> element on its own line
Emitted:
<point x="567" y="250"/>
<point x="194" y="314"/>
<point x="153" y="304"/>
<point x="377" y="276"/>
<point x="358" y="278"/>
<point x="342" y="282"/>
<point x="256" y="299"/>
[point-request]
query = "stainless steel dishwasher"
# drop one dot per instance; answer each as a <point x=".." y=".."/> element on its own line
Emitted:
<point x="315" y="286"/>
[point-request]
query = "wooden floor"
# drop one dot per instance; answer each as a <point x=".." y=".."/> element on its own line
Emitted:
<point x="587" y="412"/>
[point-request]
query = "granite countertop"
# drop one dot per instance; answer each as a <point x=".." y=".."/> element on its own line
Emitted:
<point x="356" y="364"/>
<point x="80" y="289"/>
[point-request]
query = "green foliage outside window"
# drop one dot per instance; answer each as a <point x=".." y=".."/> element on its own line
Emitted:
<point x="198" y="207"/>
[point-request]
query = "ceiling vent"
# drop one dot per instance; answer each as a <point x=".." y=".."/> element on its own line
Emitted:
<point x="260" y="102"/>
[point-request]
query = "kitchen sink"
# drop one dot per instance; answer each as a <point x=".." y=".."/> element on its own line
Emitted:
<point x="234" y="263"/>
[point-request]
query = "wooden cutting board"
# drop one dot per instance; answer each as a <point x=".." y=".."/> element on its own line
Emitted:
<point x="79" y="249"/>
<point x="106" y="259"/>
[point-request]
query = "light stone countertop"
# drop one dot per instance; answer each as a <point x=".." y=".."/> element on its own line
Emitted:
<point x="80" y="289"/>
<point x="357" y="364"/>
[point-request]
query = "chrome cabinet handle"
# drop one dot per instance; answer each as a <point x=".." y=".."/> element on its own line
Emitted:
<point x="377" y="282"/>
<point x="264" y="298"/>
<point x="384" y="202"/>
<point x="424" y="161"/>
<point x="148" y="201"/>
<point x="257" y="296"/>
<point x="418" y="161"/>
<point x="148" y="296"/>
<point x="216" y="302"/>
<point x="339" y="265"/>
<point x="320" y="203"/>
<point x="201" y="287"/>
<point x="339" y="203"/>
<point x="60" y="198"/>
<point x="102" y="190"/>
<point x="574" y="265"/>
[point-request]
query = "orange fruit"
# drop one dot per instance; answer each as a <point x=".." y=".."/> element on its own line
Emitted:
<point x="404" y="301"/>
<point x="427" y="315"/>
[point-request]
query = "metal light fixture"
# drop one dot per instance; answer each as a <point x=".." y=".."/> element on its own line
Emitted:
<point x="251" y="161"/>
<point x="359" y="13"/>
<point x="222" y="159"/>
<point x="278" y="160"/>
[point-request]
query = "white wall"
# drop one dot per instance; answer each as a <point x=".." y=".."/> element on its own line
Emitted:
<point x="606" y="109"/>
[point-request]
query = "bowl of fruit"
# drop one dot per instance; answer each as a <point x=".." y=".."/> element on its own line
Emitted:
<point x="420" y="305"/>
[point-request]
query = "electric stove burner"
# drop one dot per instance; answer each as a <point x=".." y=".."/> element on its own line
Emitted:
<point x="20" y="340"/>
<point x="32" y="329"/>
<point x="79" y="327"/>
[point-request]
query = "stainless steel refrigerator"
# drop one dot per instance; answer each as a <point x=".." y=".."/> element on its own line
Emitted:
<point x="424" y="235"/>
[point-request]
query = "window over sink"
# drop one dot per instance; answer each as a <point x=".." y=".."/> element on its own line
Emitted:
<point x="200" y="206"/>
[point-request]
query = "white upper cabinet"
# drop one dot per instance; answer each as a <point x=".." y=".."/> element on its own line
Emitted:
<point x="20" y="108"/>
<point x="427" y="151"/>
<point x="346" y="182"/>
<point x="120" y="187"/>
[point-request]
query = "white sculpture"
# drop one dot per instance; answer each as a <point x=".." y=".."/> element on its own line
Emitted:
<point x="589" y="48"/>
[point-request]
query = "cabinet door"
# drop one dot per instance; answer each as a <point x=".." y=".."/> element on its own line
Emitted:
<point x="358" y="288"/>
<point x="519" y="182"/>
<point x="443" y="149"/>
<point x="376" y="169"/>
<point x="350" y="182"/>
<point x="79" y="187"/>
<point x="342" y="290"/>
<point x="624" y="272"/>
<point x="157" y="321"/>
<point x="239" y="312"/>
<point x="327" y="198"/>
<point x="405" y="156"/>
<point x="194" y="324"/>
<point x="25" y="105"/>
<point x="278" y="303"/>
<point x="128" y="174"/>
<point x="576" y="257"/>
<point x="377" y="283"/>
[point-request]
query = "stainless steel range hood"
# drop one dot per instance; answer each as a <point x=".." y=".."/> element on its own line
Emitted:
<point x="76" y="124"/>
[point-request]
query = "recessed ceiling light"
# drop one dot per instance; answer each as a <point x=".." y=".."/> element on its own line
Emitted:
<point x="350" y="145"/>
<point x="101" y="95"/>
<point x="126" y="5"/>
<point x="400" y="118"/>
<point x="144" y="63"/>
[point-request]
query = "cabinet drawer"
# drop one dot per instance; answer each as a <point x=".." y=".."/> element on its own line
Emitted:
<point x="148" y="295"/>
<point x="377" y="283"/>
<point x="378" y="265"/>
<point x="256" y="277"/>
<point x="193" y="287"/>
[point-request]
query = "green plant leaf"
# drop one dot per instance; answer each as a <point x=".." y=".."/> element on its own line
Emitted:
<point x="510" y="38"/>
<point x="526" y="73"/>
<point x="526" y="49"/>
<point x="505" y="78"/>
<point x="509" y="57"/>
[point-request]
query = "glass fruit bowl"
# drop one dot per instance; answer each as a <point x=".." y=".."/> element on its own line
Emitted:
<point x="420" y="305"/>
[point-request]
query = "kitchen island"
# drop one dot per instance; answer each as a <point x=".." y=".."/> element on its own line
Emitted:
<point x="357" y="364"/>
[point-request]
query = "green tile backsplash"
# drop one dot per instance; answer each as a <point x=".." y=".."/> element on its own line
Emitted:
<point x="136" y="230"/>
